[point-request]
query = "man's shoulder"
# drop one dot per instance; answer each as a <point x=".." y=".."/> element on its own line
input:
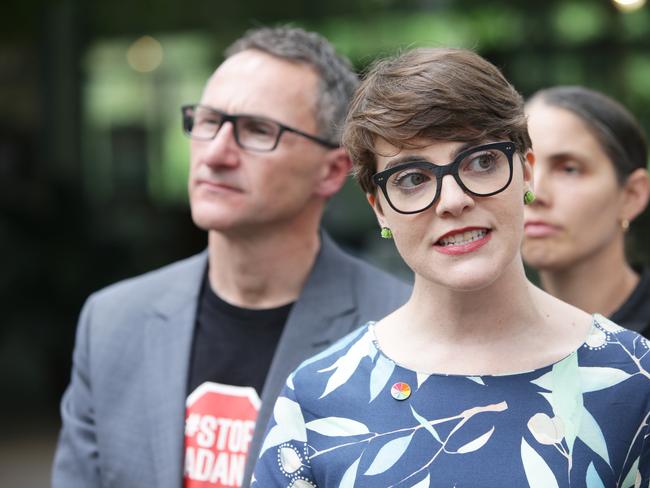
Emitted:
<point x="370" y="273"/>
<point x="148" y="287"/>
<point x="365" y="274"/>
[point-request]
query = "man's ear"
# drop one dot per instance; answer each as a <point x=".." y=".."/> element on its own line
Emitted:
<point x="636" y="192"/>
<point x="335" y="172"/>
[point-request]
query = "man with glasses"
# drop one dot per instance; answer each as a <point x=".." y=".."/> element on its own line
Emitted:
<point x="169" y="367"/>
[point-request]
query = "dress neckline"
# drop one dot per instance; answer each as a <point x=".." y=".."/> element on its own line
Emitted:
<point x="595" y="339"/>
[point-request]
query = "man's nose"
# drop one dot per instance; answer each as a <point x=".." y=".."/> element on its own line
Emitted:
<point x="223" y="149"/>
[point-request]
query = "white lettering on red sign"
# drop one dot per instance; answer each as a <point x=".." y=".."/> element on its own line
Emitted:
<point x="219" y="425"/>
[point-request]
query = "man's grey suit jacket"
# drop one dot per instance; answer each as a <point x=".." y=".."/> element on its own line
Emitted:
<point x="124" y="410"/>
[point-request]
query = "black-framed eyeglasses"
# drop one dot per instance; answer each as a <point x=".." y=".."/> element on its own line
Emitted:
<point x="414" y="186"/>
<point x="251" y="132"/>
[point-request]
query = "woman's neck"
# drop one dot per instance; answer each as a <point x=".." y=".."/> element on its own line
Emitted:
<point x="508" y="326"/>
<point x="507" y="303"/>
<point x="600" y="284"/>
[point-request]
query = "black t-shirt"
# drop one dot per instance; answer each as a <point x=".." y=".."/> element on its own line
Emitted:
<point x="634" y="314"/>
<point x="233" y="345"/>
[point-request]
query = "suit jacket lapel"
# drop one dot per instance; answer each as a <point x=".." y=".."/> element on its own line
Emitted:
<point x="168" y="344"/>
<point x="319" y="317"/>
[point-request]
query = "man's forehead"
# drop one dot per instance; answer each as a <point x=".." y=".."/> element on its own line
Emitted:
<point x="260" y="68"/>
<point x="258" y="83"/>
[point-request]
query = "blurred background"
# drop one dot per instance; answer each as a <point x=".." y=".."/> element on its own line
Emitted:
<point x="93" y="163"/>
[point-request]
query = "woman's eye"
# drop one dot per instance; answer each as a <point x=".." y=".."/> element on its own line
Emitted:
<point x="482" y="162"/>
<point x="411" y="180"/>
<point x="569" y="168"/>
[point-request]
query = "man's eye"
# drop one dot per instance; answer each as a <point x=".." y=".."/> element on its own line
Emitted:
<point x="258" y="127"/>
<point x="205" y="121"/>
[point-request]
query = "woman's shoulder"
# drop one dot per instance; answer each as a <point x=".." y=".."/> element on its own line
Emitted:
<point x="356" y="342"/>
<point x="615" y="354"/>
<point x="607" y="333"/>
<point x="333" y="369"/>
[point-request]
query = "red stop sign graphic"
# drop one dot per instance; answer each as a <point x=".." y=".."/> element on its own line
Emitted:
<point x="219" y="425"/>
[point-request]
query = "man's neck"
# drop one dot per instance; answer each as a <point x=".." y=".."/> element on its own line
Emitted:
<point x="263" y="269"/>
<point x="600" y="284"/>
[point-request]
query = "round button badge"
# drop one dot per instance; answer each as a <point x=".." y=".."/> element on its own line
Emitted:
<point x="400" y="391"/>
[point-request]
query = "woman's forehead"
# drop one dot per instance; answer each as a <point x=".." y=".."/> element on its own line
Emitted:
<point x="434" y="150"/>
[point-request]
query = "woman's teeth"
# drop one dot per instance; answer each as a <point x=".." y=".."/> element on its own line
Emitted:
<point x="462" y="238"/>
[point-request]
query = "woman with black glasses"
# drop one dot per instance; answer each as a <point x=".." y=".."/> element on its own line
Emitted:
<point x="481" y="379"/>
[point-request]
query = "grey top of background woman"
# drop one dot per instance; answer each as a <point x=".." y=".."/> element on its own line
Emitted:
<point x="591" y="182"/>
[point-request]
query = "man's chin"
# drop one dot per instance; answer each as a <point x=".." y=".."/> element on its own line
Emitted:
<point x="211" y="222"/>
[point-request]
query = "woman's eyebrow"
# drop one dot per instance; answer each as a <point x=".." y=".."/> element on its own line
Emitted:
<point x="418" y="158"/>
<point x="411" y="158"/>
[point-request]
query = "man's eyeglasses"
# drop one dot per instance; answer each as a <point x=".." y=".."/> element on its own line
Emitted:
<point x="414" y="186"/>
<point x="251" y="132"/>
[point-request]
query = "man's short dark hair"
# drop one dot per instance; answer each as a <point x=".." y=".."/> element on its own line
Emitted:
<point x="337" y="79"/>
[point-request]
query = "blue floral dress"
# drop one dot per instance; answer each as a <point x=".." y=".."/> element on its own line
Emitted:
<point x="351" y="417"/>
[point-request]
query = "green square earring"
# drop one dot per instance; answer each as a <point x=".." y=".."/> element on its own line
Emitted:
<point x="529" y="197"/>
<point x="386" y="233"/>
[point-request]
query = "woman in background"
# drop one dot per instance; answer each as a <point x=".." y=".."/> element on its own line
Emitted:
<point x="590" y="182"/>
<point x="481" y="379"/>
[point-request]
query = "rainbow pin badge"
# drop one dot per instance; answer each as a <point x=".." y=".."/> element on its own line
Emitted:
<point x="400" y="391"/>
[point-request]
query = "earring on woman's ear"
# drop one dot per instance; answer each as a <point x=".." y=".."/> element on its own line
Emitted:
<point x="386" y="233"/>
<point x="529" y="197"/>
<point x="625" y="225"/>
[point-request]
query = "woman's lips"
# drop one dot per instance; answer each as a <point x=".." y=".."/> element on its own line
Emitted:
<point x="538" y="228"/>
<point x="463" y="241"/>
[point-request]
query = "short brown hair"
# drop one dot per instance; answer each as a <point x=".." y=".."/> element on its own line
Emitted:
<point x="431" y="94"/>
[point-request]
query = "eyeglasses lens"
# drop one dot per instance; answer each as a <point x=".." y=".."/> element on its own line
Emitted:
<point x="482" y="172"/>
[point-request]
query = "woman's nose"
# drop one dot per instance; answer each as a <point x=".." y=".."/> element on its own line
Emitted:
<point x="453" y="200"/>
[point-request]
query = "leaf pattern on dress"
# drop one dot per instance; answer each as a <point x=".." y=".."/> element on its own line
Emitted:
<point x="538" y="473"/>
<point x="476" y="379"/>
<point x="476" y="444"/>
<point x="566" y="396"/>
<point x="380" y="375"/>
<point x="593" y="480"/>
<point x="546" y="430"/>
<point x="350" y="475"/>
<point x="337" y="427"/>
<point x="300" y="483"/>
<point x="290" y="424"/>
<point x="345" y="366"/>
<point x="573" y="390"/>
<point x="389" y="454"/>
<point x="598" y="378"/>
<point x="290" y="460"/>
<point x="425" y="483"/>
<point x="632" y="477"/>
<point x="426" y="424"/>
<point x="591" y="434"/>
<point x="607" y="324"/>
<point x="337" y="346"/>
